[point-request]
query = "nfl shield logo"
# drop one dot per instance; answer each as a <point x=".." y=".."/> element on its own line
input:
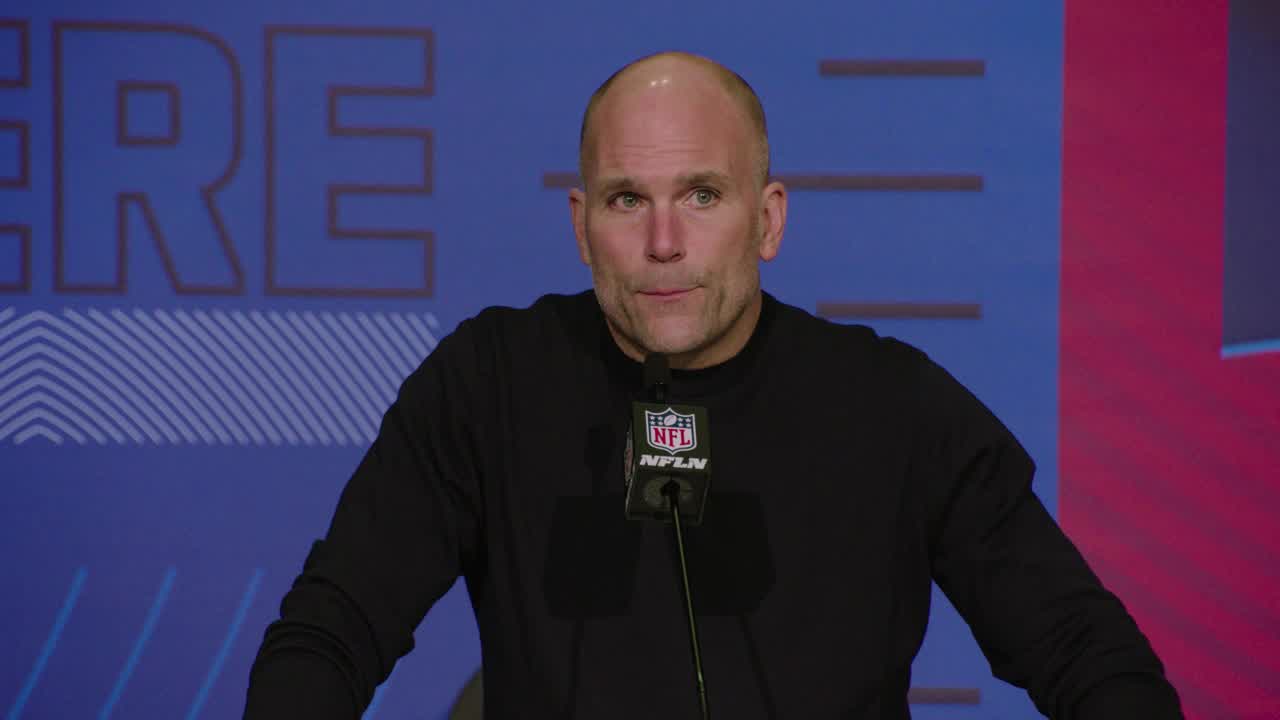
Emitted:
<point x="670" y="431"/>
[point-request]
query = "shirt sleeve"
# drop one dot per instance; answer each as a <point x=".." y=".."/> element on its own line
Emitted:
<point x="1042" y="618"/>
<point x="404" y="529"/>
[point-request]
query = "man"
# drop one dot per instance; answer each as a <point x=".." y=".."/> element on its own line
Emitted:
<point x="850" y="471"/>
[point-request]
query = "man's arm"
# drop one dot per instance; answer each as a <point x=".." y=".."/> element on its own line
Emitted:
<point x="404" y="529"/>
<point x="1040" y="615"/>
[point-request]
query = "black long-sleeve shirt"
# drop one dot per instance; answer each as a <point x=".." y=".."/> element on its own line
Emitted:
<point x="850" y="471"/>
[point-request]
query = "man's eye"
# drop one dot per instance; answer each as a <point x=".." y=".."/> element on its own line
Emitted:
<point x="703" y="197"/>
<point x="627" y="201"/>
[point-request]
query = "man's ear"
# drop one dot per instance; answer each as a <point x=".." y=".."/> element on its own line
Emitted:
<point x="773" y="216"/>
<point x="578" y="214"/>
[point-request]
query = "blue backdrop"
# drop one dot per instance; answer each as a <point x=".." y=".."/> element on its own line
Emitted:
<point x="228" y="230"/>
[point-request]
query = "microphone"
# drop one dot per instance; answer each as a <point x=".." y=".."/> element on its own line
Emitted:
<point x="657" y="375"/>
<point x="666" y="443"/>
<point x="668" y="472"/>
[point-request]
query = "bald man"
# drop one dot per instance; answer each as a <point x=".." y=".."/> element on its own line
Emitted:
<point x="851" y="471"/>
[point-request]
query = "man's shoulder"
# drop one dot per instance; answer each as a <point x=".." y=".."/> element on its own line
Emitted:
<point x="550" y="314"/>
<point x="579" y="307"/>
<point x="816" y="337"/>
<point x="856" y="363"/>
<point x="552" y="322"/>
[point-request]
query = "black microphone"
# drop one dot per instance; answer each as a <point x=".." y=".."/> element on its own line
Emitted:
<point x="657" y="375"/>
<point x="668" y="473"/>
<point x="666" y="443"/>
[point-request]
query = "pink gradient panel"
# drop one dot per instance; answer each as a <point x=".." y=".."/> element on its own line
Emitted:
<point x="1170" y="454"/>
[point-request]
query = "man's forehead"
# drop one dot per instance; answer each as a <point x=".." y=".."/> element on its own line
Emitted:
<point x="675" y="80"/>
<point x="668" y="130"/>
<point x="640" y="159"/>
<point x="618" y="182"/>
<point x="673" y="111"/>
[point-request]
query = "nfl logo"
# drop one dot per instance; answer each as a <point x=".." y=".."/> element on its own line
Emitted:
<point x="670" y="431"/>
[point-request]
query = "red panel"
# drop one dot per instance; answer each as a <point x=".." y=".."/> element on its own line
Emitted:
<point x="1170" y="476"/>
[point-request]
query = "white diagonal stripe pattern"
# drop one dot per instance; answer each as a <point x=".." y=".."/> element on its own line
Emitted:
<point x="209" y="377"/>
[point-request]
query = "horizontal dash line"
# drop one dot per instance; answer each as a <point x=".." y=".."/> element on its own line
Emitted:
<point x="863" y="182"/>
<point x="908" y="68"/>
<point x="831" y="181"/>
<point x="944" y="696"/>
<point x="945" y="311"/>
<point x="561" y="180"/>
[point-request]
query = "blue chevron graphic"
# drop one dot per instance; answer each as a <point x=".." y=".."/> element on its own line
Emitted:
<point x="204" y="377"/>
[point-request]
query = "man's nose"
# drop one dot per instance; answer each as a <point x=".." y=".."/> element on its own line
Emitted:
<point x="665" y="242"/>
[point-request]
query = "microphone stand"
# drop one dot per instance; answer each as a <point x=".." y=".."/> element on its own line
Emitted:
<point x="672" y="492"/>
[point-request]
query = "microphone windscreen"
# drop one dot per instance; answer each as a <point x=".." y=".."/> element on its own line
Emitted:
<point x="656" y="370"/>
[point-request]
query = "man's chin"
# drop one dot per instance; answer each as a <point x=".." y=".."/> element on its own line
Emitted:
<point x="672" y="341"/>
<point x="667" y="335"/>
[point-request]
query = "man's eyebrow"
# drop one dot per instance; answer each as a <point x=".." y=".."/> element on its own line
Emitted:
<point x="611" y="185"/>
<point x="625" y="183"/>
<point x="704" y="177"/>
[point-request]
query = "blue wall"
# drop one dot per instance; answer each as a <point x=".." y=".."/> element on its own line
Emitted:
<point x="175" y="428"/>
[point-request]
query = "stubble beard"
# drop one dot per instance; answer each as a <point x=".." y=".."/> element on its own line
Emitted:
<point x="718" y="313"/>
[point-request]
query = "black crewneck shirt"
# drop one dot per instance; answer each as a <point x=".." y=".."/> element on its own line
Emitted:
<point x="850" y="472"/>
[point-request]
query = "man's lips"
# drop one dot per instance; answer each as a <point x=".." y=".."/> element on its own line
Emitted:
<point x="665" y="292"/>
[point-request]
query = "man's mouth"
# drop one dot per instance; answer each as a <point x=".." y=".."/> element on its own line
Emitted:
<point x="666" y="292"/>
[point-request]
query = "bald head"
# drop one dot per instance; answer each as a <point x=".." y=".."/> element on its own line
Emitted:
<point x="671" y="69"/>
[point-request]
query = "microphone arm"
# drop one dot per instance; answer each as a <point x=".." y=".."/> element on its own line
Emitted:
<point x="672" y="492"/>
<point x="657" y="373"/>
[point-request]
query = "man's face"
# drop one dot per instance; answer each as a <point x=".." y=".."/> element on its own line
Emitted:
<point x="674" y="221"/>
